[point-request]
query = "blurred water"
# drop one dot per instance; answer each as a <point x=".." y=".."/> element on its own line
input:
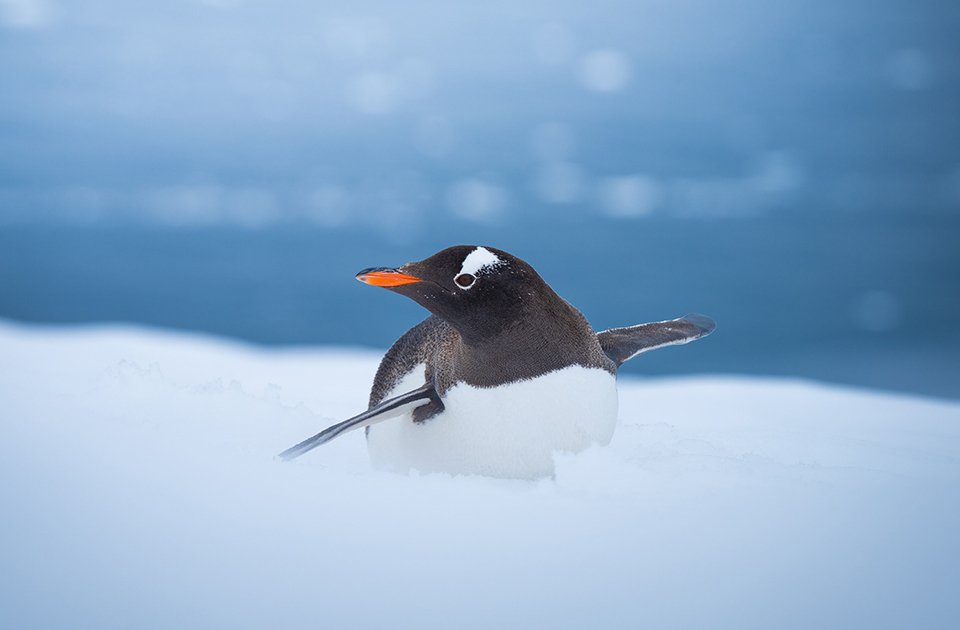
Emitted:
<point x="838" y="300"/>
<point x="792" y="170"/>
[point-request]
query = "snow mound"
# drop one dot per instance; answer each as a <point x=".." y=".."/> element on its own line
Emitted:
<point x="139" y="490"/>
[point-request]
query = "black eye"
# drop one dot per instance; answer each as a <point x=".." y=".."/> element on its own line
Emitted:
<point x="465" y="280"/>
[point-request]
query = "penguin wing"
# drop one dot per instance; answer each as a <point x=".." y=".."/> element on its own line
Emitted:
<point x="622" y="344"/>
<point x="387" y="409"/>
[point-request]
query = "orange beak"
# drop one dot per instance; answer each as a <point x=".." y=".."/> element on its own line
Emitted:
<point x="385" y="277"/>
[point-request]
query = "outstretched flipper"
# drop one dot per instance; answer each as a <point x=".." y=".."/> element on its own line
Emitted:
<point x="390" y="408"/>
<point x="622" y="344"/>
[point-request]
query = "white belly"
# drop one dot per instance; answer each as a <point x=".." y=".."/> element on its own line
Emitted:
<point x="509" y="431"/>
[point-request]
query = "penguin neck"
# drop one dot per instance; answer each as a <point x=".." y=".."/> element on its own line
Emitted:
<point x="552" y="338"/>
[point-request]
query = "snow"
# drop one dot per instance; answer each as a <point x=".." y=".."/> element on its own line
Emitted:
<point x="139" y="489"/>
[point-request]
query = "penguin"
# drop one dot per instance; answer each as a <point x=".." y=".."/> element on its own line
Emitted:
<point x="501" y="375"/>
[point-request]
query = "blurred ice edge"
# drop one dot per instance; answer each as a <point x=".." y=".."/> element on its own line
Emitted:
<point x="791" y="169"/>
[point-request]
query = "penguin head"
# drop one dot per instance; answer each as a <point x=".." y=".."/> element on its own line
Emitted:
<point x="477" y="290"/>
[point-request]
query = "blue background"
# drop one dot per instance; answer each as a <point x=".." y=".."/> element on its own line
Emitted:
<point x="791" y="169"/>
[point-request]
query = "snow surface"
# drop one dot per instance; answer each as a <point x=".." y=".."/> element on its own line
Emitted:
<point x="139" y="490"/>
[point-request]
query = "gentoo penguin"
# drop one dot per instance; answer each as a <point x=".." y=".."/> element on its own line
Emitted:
<point x="502" y="374"/>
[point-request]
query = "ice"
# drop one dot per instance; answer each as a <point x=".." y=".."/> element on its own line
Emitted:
<point x="139" y="489"/>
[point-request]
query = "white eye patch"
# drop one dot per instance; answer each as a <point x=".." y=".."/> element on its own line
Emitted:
<point x="478" y="259"/>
